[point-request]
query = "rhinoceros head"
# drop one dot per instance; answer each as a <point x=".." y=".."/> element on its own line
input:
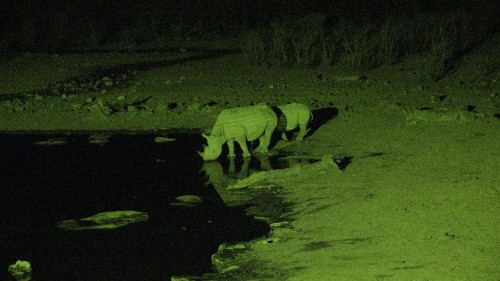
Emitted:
<point x="213" y="148"/>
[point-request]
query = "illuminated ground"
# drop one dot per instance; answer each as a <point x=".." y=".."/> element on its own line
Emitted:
<point x="418" y="202"/>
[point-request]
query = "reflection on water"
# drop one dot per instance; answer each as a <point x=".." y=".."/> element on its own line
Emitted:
<point x="228" y="171"/>
<point x="43" y="185"/>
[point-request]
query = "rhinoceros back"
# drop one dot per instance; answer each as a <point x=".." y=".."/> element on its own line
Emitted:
<point x="295" y="114"/>
<point x="252" y="121"/>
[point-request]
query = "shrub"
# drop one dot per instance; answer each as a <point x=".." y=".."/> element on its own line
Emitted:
<point x="257" y="47"/>
<point x="288" y="42"/>
<point x="365" y="42"/>
<point x="356" y="48"/>
<point x="454" y="35"/>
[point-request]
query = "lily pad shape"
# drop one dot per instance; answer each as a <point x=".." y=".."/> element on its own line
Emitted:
<point x="163" y="139"/>
<point x="105" y="220"/>
<point x="187" y="201"/>
<point x="52" y="141"/>
<point x="99" y="139"/>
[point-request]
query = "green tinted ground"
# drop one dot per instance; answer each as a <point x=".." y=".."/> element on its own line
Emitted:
<point x="420" y="200"/>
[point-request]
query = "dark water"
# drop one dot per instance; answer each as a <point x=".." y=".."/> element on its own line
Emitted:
<point x="41" y="185"/>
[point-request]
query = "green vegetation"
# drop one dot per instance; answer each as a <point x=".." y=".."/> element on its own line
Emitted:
<point x="365" y="41"/>
<point x="357" y="34"/>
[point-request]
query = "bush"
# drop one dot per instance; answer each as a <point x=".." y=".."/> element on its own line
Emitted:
<point x="356" y="48"/>
<point x="288" y="42"/>
<point x="365" y="42"/>
<point x="454" y="35"/>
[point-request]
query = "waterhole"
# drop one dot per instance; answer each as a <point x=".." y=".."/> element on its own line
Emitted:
<point x="164" y="219"/>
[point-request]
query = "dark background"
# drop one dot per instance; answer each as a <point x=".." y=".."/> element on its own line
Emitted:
<point x="60" y="24"/>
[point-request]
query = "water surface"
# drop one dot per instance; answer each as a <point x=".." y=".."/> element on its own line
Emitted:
<point x="71" y="178"/>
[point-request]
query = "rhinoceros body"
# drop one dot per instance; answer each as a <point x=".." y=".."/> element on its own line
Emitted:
<point x="297" y="115"/>
<point x="240" y="124"/>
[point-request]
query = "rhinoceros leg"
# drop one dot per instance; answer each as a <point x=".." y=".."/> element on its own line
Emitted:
<point x="302" y="132"/>
<point x="263" y="144"/>
<point x="230" y="146"/>
<point x="284" y="137"/>
<point x="264" y="141"/>
<point x="242" y="141"/>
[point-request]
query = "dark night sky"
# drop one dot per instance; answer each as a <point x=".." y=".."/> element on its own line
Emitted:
<point x="30" y="23"/>
<point x="251" y="10"/>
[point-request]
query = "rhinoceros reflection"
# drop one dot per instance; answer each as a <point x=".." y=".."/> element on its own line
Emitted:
<point x="105" y="220"/>
<point x="220" y="179"/>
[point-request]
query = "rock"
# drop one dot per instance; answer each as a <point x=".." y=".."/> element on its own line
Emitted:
<point x="194" y="106"/>
<point x="160" y="108"/>
<point x="99" y="139"/>
<point x="99" y="102"/>
<point x="163" y="139"/>
<point x="131" y="108"/>
<point x="108" y="83"/>
<point x="189" y="198"/>
<point x="52" y="141"/>
<point x="76" y="106"/>
<point x="7" y="106"/>
<point x="187" y="201"/>
<point x="105" y="220"/>
<point x="237" y="246"/>
<point x="21" y="270"/>
<point x="94" y="108"/>
<point x="17" y="105"/>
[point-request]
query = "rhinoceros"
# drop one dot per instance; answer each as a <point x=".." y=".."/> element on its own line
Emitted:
<point x="296" y="114"/>
<point x="240" y="124"/>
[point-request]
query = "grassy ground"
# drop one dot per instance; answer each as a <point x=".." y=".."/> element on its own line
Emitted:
<point x="419" y="200"/>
